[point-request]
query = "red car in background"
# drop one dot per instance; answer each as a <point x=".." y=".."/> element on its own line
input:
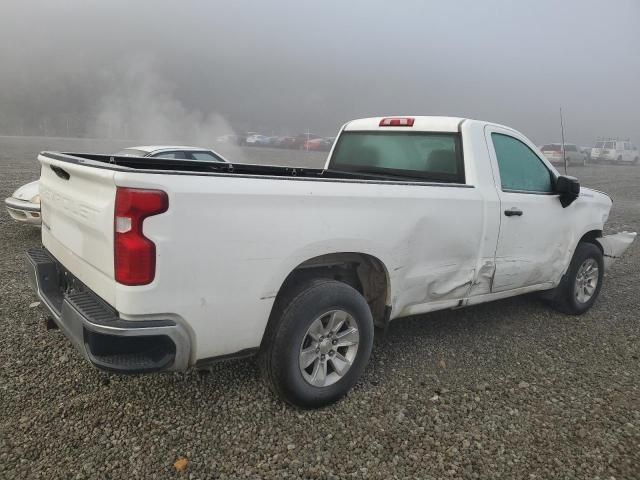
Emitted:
<point x="297" y="142"/>
<point x="319" y="144"/>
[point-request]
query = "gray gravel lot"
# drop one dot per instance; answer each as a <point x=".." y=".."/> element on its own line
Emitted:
<point x="509" y="389"/>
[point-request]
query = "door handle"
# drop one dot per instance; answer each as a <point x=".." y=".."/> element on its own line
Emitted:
<point x="513" y="212"/>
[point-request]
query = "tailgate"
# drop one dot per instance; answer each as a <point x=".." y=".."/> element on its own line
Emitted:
<point x="77" y="203"/>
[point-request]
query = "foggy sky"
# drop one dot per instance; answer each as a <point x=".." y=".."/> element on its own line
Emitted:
<point x="284" y="66"/>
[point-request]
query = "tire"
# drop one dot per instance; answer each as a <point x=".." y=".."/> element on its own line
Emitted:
<point x="565" y="297"/>
<point x="288" y="334"/>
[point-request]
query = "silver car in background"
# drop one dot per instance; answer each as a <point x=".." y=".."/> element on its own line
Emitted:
<point x="24" y="204"/>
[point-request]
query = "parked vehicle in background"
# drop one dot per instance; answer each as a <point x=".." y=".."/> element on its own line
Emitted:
<point x="172" y="151"/>
<point x="287" y="142"/>
<point x="228" y="139"/>
<point x="573" y="154"/>
<point x="257" y="140"/>
<point x="298" y="141"/>
<point x="242" y="138"/>
<point x="24" y="205"/>
<point x="408" y="216"/>
<point x="615" y="151"/>
<point x="273" y="141"/>
<point x="319" y="144"/>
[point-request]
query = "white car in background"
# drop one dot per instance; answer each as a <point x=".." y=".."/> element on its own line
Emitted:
<point x="573" y="153"/>
<point x="24" y="205"/>
<point x="257" y="139"/>
<point x="615" y="151"/>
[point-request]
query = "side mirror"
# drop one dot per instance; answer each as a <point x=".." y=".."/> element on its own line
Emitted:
<point x="568" y="188"/>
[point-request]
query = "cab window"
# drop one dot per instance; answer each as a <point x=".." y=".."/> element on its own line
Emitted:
<point x="427" y="156"/>
<point x="521" y="170"/>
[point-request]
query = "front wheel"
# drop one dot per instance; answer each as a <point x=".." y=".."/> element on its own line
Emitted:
<point x="318" y="344"/>
<point x="580" y="286"/>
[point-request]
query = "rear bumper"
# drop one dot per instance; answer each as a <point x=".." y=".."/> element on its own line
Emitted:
<point x="23" y="210"/>
<point x="96" y="329"/>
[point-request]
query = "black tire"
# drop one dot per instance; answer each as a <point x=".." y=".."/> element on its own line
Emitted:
<point x="563" y="297"/>
<point x="292" y="316"/>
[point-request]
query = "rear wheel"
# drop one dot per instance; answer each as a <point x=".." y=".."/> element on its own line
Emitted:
<point x="580" y="286"/>
<point x="318" y="344"/>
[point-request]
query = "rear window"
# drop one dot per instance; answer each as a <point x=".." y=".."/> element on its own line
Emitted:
<point x="551" y="148"/>
<point x="420" y="155"/>
<point x="179" y="155"/>
<point x="611" y="145"/>
<point x="131" y="152"/>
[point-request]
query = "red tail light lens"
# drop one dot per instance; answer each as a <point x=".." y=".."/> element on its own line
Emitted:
<point x="397" y="122"/>
<point x="135" y="254"/>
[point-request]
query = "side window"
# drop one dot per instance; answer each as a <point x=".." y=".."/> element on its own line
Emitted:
<point x="520" y="168"/>
<point x="204" y="156"/>
<point x="177" y="155"/>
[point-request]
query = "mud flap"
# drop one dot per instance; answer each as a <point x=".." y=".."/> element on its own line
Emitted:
<point x="615" y="245"/>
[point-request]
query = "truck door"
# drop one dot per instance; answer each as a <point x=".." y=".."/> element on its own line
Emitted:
<point x="534" y="230"/>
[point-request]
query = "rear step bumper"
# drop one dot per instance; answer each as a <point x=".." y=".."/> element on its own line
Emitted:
<point x="97" y="331"/>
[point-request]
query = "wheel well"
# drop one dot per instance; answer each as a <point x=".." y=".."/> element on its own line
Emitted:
<point x="591" y="237"/>
<point x="365" y="273"/>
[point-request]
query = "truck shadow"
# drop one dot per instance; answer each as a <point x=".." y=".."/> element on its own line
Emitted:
<point x="433" y="344"/>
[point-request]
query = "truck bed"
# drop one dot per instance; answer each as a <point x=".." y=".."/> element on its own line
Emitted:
<point x="190" y="167"/>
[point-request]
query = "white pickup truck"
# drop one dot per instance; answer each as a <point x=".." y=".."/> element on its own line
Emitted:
<point x="150" y="266"/>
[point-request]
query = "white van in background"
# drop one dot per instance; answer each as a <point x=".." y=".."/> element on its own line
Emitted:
<point x="617" y="151"/>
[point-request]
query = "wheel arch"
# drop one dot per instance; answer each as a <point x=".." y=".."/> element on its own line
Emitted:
<point x="362" y="271"/>
<point x="591" y="237"/>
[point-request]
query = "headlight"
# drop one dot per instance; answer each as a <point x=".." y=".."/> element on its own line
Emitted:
<point x="35" y="199"/>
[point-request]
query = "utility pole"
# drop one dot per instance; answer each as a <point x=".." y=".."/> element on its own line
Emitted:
<point x="564" y="157"/>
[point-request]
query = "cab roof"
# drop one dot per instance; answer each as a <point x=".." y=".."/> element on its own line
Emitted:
<point x="420" y="124"/>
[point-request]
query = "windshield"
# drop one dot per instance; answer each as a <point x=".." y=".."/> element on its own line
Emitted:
<point x="424" y="155"/>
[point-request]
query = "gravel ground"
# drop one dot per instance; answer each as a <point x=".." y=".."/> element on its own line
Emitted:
<point x="509" y="389"/>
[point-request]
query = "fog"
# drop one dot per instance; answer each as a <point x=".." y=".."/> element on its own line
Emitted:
<point x="192" y="70"/>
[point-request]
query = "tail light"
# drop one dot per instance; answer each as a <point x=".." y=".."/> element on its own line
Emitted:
<point x="397" y="122"/>
<point x="135" y="254"/>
